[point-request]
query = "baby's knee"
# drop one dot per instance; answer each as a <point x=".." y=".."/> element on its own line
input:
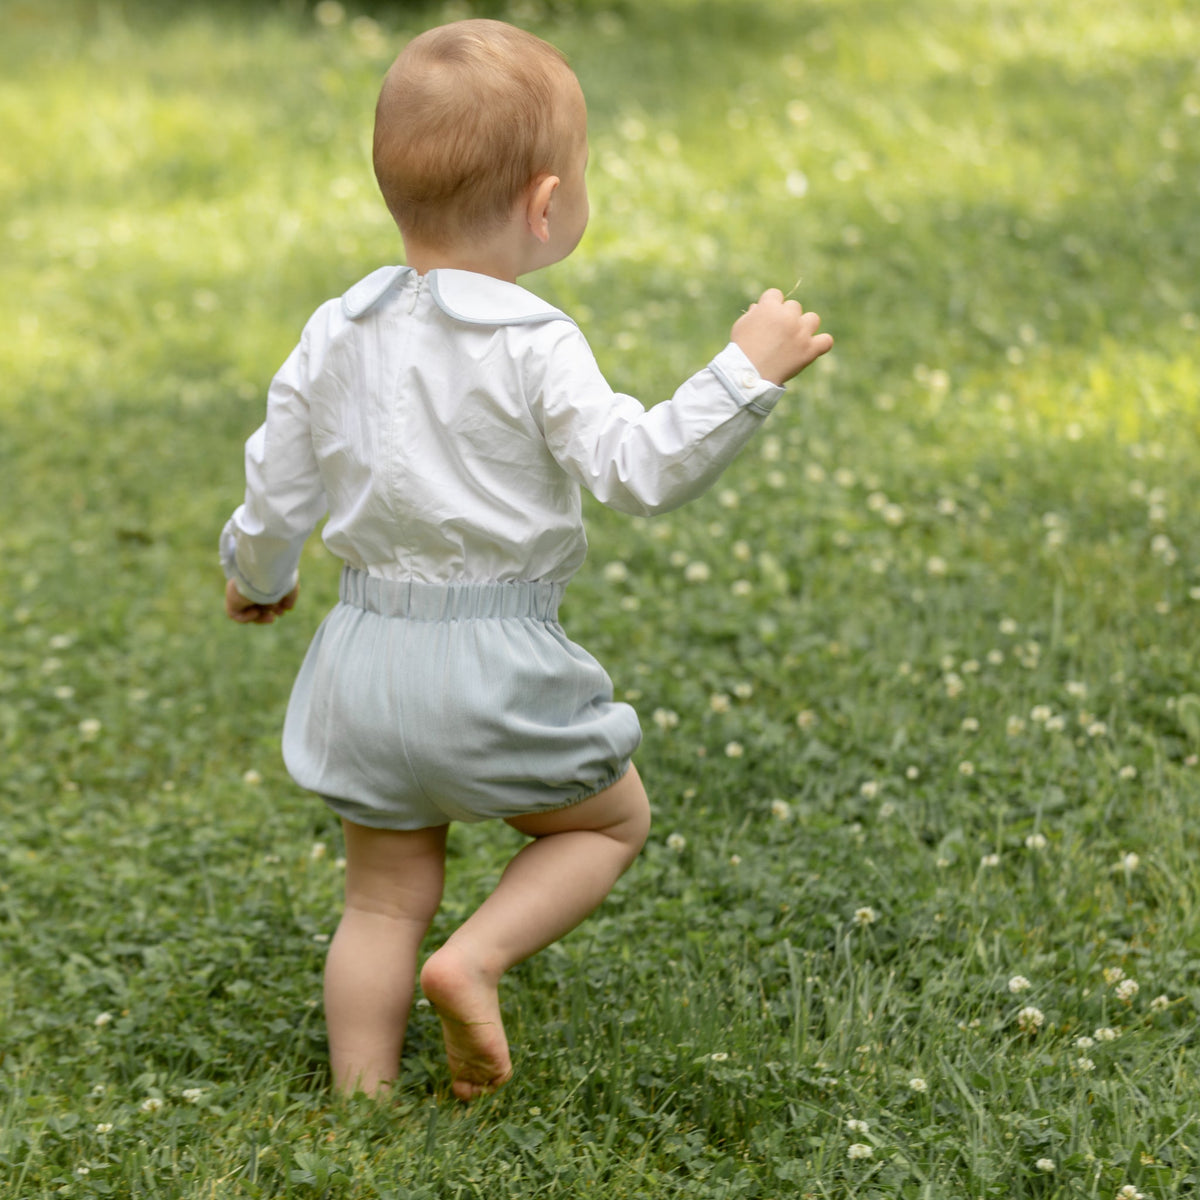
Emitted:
<point x="632" y="828"/>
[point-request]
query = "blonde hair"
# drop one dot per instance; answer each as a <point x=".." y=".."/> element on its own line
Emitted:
<point x="469" y="114"/>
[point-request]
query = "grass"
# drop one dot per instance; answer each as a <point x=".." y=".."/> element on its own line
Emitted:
<point x="918" y="678"/>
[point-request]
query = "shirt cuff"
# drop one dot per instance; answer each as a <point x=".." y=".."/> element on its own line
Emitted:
<point x="742" y="380"/>
<point x="230" y="566"/>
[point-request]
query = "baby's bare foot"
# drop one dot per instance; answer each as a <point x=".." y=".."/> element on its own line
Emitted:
<point x="468" y="1004"/>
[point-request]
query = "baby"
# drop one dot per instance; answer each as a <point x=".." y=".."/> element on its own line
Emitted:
<point x="444" y="419"/>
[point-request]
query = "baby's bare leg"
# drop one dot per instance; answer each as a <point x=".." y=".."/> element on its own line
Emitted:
<point x="577" y="854"/>
<point x="393" y="888"/>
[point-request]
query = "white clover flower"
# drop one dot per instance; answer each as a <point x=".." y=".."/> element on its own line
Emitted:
<point x="719" y="702"/>
<point x="1084" y="1064"/>
<point x="665" y="719"/>
<point x="1127" y="989"/>
<point x="1056" y="725"/>
<point x="98" y="1089"/>
<point x="1113" y="975"/>
<point x="104" y="1127"/>
<point x="82" y="1170"/>
<point x="676" y="842"/>
<point x="865" y="916"/>
<point x="743" y="691"/>
<point x="1046" y="1165"/>
<point x="191" y="1095"/>
<point x="995" y="657"/>
<point x="615" y="572"/>
<point x="1007" y="626"/>
<point x="781" y="810"/>
<point x="806" y="718"/>
<point x="317" y="852"/>
<point x="917" y="1084"/>
<point x="1097" y="729"/>
<point x="936" y="566"/>
<point x="102" y="1019"/>
<point x="151" y="1104"/>
<point x="697" y="572"/>
<point x="1041" y="713"/>
<point x="719" y="1056"/>
<point x="912" y="773"/>
<point x="1084" y="1043"/>
<point x="953" y="684"/>
<point x="251" y="778"/>
<point x="1107" y="1034"/>
<point x="1018" y="984"/>
<point x="856" y="1126"/>
<point x="1030" y="1019"/>
<point x="893" y="514"/>
<point x="970" y="725"/>
<point x="329" y="13"/>
<point x="990" y="860"/>
<point x="887" y="810"/>
<point x="1160" y="1004"/>
<point x="859" y="1150"/>
<point x="1035" y="841"/>
<point x="1162" y="546"/>
<point x="734" y="749"/>
<point x="966" y="768"/>
<point x="89" y="729"/>
<point x="1129" y="862"/>
<point x="1129" y="1192"/>
<point x="1076" y="690"/>
<point x="869" y="790"/>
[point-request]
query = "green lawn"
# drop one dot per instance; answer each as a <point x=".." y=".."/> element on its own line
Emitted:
<point x="920" y="916"/>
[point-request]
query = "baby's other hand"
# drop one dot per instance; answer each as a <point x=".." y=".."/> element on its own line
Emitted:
<point x="247" y="612"/>
<point x="779" y="337"/>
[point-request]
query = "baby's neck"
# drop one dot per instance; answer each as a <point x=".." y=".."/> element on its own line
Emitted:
<point x="493" y="260"/>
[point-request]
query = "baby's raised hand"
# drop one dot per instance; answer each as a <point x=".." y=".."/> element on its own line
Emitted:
<point x="779" y="337"/>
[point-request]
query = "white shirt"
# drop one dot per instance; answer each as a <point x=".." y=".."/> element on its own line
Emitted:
<point x="446" y="422"/>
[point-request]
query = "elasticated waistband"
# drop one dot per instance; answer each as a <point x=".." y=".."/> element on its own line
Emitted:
<point x="450" y="601"/>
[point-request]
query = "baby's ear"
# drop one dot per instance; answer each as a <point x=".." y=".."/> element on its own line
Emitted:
<point x="538" y="203"/>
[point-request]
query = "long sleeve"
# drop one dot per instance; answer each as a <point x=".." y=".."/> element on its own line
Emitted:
<point x="644" y="461"/>
<point x="261" y="543"/>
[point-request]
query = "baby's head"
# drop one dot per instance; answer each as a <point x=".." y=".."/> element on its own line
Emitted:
<point x="469" y="115"/>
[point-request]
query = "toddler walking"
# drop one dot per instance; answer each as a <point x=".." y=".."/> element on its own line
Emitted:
<point x="444" y="419"/>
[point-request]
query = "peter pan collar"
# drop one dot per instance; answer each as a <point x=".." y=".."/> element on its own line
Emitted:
<point x="463" y="295"/>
